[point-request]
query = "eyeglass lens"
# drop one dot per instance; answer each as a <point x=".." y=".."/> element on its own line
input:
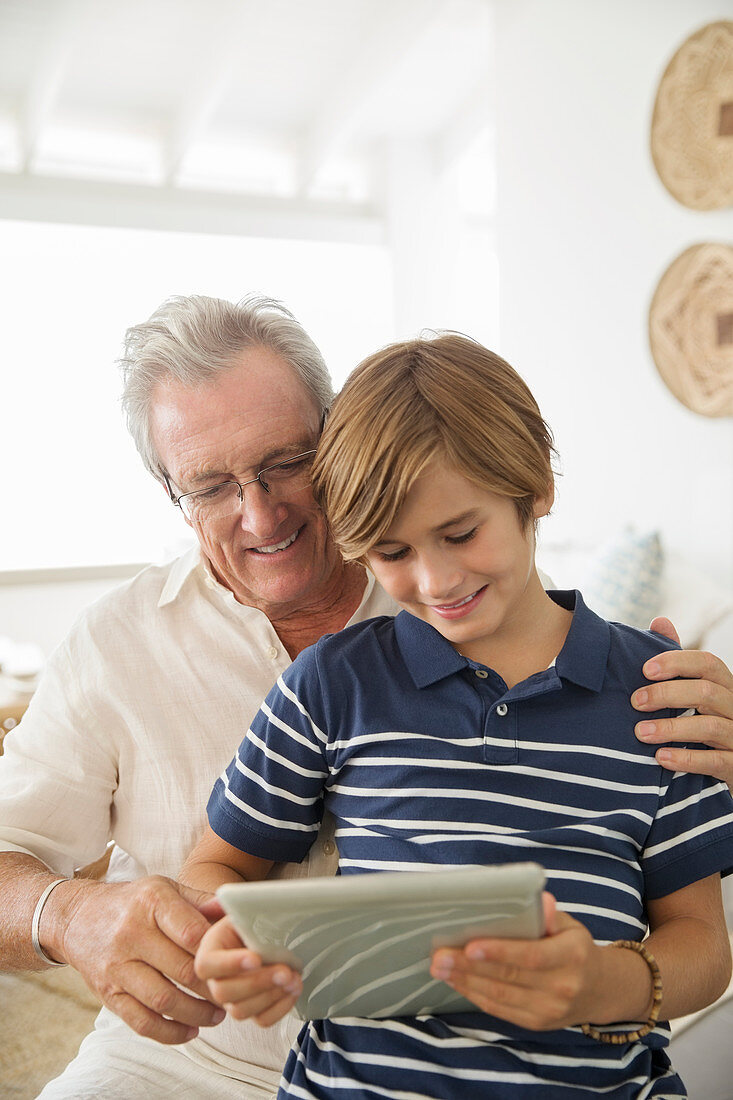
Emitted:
<point x="222" y="500"/>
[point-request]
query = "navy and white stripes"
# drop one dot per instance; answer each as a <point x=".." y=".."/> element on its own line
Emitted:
<point x="423" y="763"/>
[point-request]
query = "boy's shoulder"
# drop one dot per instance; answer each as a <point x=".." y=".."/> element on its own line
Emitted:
<point x="342" y="666"/>
<point x="639" y="643"/>
<point x="608" y="652"/>
<point x="367" y="636"/>
<point x="629" y="651"/>
<point x="359" y="642"/>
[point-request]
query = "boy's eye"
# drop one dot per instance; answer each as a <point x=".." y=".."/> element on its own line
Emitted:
<point x="395" y="555"/>
<point x="458" y="539"/>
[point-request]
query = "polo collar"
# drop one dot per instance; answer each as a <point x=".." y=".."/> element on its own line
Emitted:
<point x="584" y="657"/>
<point x="429" y="657"/>
<point x="427" y="654"/>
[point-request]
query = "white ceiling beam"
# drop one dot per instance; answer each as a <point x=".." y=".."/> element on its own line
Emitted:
<point x="361" y="78"/>
<point x="208" y="85"/>
<point x="175" y="209"/>
<point x="52" y="63"/>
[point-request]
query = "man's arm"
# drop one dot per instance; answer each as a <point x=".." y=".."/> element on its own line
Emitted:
<point x="689" y="679"/>
<point x="130" y="941"/>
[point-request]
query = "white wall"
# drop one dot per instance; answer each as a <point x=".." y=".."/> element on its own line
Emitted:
<point x="585" y="230"/>
<point x="41" y="609"/>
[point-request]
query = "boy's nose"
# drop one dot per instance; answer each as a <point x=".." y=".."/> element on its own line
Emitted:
<point x="439" y="581"/>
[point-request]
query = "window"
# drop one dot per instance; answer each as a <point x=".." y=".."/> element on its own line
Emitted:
<point x="74" y="490"/>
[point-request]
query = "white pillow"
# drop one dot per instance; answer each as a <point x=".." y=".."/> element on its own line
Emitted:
<point x="693" y="602"/>
<point x="624" y="582"/>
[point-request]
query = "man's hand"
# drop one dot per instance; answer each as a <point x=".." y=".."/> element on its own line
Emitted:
<point x="706" y="685"/>
<point x="131" y="942"/>
<point x="238" y="980"/>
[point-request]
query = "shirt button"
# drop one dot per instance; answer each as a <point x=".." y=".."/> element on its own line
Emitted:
<point x="329" y="847"/>
<point x="481" y="673"/>
<point x="502" y="709"/>
<point x="271" y="652"/>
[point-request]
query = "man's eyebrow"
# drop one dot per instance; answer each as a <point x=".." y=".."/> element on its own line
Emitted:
<point x="465" y="517"/>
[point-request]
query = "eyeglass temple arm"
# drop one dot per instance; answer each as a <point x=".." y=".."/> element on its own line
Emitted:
<point x="171" y="495"/>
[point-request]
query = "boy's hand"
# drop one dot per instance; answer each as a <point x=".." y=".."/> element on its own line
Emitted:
<point x="237" y="979"/>
<point x="537" y="984"/>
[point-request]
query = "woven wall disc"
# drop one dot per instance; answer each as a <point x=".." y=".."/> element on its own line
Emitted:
<point x="692" y="124"/>
<point x="691" y="328"/>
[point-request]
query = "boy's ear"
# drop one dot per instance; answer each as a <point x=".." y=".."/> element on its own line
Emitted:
<point x="544" y="503"/>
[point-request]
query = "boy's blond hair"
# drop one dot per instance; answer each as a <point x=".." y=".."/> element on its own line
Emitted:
<point x="443" y="397"/>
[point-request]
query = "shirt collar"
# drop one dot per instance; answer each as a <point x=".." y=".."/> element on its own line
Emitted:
<point x="582" y="660"/>
<point x="193" y="563"/>
<point x="427" y="654"/>
<point x="182" y="568"/>
<point x="584" y="657"/>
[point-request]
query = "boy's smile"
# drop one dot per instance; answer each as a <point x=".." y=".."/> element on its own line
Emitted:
<point x="457" y="557"/>
<point x="460" y="608"/>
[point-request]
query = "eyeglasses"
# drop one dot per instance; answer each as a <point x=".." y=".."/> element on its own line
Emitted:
<point x="218" y="501"/>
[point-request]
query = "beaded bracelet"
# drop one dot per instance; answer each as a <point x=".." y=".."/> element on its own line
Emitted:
<point x="632" y="1036"/>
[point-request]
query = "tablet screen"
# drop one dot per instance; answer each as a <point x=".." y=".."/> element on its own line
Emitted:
<point x="363" y="942"/>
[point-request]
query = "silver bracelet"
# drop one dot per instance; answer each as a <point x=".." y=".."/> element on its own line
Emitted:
<point x="37" y="920"/>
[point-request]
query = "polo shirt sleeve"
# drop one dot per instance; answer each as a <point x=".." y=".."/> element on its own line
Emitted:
<point x="691" y="836"/>
<point x="269" y="801"/>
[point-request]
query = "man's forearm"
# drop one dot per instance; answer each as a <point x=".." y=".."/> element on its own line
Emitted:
<point x="132" y="942"/>
<point x="22" y="881"/>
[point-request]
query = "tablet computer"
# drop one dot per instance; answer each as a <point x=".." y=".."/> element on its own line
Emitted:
<point x="363" y="942"/>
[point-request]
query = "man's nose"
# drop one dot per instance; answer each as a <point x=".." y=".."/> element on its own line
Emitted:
<point x="261" y="511"/>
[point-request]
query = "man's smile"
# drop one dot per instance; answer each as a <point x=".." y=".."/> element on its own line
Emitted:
<point x="275" y="546"/>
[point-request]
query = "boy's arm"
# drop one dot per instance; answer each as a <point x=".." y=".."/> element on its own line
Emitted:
<point x="235" y="976"/>
<point x="690" y="942"/>
<point x="214" y="861"/>
<point x="566" y="979"/>
<point x="276" y="777"/>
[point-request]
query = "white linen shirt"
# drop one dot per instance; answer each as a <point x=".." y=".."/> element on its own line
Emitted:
<point x="138" y="712"/>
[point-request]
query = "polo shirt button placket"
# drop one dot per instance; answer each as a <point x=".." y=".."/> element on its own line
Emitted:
<point x="504" y="723"/>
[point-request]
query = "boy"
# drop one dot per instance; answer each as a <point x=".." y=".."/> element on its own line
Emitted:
<point x="489" y="722"/>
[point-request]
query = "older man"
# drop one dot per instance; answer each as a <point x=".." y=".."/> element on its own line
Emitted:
<point x="141" y="707"/>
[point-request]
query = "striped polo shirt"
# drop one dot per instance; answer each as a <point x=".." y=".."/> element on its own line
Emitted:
<point x="426" y="758"/>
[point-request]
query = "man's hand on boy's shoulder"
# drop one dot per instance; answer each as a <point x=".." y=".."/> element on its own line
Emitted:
<point x="689" y="679"/>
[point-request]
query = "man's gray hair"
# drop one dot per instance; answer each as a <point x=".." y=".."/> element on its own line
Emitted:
<point x="191" y="340"/>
